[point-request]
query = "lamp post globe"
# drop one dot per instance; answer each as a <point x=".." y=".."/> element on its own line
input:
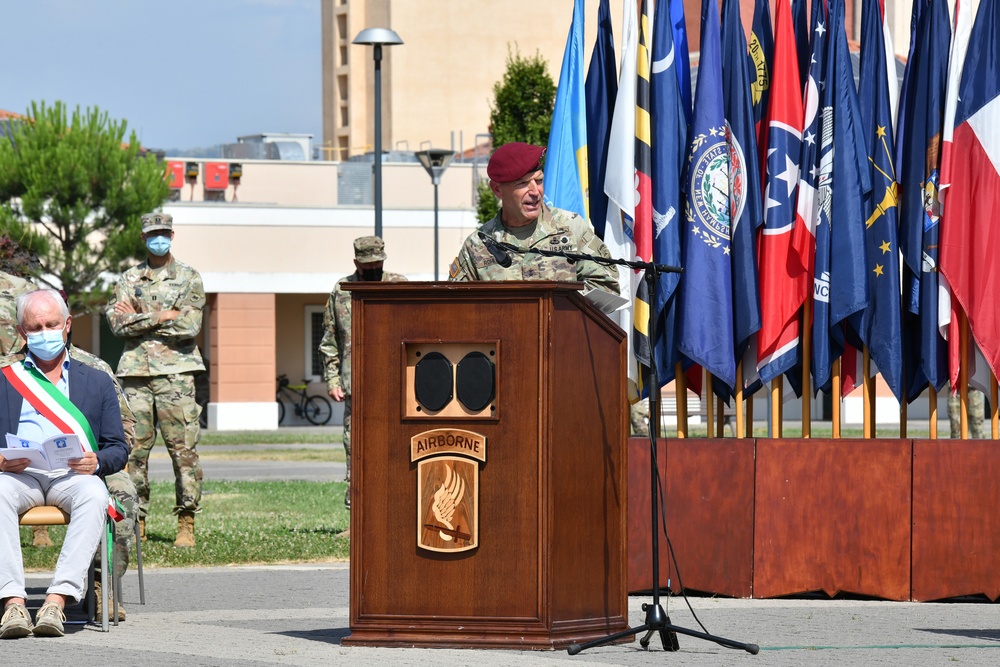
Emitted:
<point x="435" y="161"/>
<point x="377" y="38"/>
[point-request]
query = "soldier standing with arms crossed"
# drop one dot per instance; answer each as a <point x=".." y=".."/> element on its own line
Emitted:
<point x="369" y="254"/>
<point x="157" y="308"/>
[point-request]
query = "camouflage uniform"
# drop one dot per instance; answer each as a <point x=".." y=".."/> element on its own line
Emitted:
<point x="977" y="414"/>
<point x="11" y="287"/>
<point x="554" y="229"/>
<point x="637" y="415"/>
<point x="120" y="485"/>
<point x="157" y="368"/>
<point x="336" y="343"/>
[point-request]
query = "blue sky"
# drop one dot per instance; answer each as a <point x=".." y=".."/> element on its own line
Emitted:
<point x="182" y="73"/>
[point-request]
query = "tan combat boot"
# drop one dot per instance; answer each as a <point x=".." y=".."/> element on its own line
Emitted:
<point x="100" y="605"/>
<point x="40" y="537"/>
<point x="185" y="530"/>
<point x="142" y="529"/>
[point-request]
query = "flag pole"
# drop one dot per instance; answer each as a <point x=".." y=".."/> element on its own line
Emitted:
<point x="720" y="417"/>
<point x="806" y="361"/>
<point x="869" y="396"/>
<point x="776" y="407"/>
<point x="902" y="416"/>
<point x="680" y="393"/>
<point x="995" y="416"/>
<point x="963" y="372"/>
<point x="706" y="390"/>
<point x="932" y="397"/>
<point x="739" y="401"/>
<point x="835" y="391"/>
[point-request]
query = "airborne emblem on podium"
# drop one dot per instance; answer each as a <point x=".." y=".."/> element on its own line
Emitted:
<point x="448" y="488"/>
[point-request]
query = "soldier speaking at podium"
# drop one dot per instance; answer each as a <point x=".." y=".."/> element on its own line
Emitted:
<point x="526" y="222"/>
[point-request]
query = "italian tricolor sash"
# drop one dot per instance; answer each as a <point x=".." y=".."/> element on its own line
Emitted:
<point x="50" y="402"/>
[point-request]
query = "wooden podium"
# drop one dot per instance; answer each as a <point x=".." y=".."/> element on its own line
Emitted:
<point x="489" y="466"/>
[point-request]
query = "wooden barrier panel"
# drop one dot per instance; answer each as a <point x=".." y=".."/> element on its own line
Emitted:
<point x="956" y="519"/>
<point x="709" y="507"/>
<point x="710" y="497"/>
<point x="832" y="516"/>
<point x="640" y="554"/>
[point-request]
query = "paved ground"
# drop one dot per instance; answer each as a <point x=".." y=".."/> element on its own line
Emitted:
<point x="298" y="615"/>
<point x="161" y="469"/>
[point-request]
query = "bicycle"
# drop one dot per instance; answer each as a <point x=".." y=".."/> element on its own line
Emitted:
<point x="316" y="409"/>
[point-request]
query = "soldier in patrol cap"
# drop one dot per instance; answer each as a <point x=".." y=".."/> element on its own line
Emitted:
<point x="369" y="254"/>
<point x="157" y="308"/>
<point x="526" y="222"/>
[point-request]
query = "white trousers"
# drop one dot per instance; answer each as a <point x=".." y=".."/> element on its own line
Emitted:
<point x="83" y="497"/>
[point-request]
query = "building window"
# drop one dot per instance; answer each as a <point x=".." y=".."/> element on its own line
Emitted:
<point x="314" y="336"/>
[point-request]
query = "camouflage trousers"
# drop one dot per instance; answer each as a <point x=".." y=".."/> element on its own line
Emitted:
<point x="347" y="448"/>
<point x="166" y="401"/>
<point x="977" y="414"/>
<point x="637" y="416"/>
<point x="120" y="487"/>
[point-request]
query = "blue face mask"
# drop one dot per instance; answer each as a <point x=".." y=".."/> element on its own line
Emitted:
<point x="46" y="345"/>
<point x="158" y="245"/>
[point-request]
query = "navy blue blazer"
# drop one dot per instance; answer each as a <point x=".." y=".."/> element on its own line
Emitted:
<point x="93" y="392"/>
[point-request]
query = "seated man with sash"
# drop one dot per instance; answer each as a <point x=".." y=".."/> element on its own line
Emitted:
<point x="48" y="394"/>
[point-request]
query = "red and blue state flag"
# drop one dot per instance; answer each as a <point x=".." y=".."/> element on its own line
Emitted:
<point x="970" y="238"/>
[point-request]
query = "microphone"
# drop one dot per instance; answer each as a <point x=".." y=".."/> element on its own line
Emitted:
<point x="499" y="254"/>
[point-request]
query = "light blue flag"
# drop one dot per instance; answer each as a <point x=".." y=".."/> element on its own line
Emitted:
<point x="566" y="158"/>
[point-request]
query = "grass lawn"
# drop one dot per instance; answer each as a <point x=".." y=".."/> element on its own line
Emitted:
<point x="279" y="437"/>
<point x="241" y="523"/>
<point x="334" y="453"/>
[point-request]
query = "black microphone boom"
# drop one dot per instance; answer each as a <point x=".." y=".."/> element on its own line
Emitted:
<point x="499" y="254"/>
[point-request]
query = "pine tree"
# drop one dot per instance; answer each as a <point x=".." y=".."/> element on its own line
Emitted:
<point x="521" y="111"/>
<point x="72" y="192"/>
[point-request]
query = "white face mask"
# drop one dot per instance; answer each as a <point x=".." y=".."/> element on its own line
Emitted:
<point x="46" y="345"/>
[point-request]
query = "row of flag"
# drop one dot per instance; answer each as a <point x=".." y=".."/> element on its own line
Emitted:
<point x="815" y="216"/>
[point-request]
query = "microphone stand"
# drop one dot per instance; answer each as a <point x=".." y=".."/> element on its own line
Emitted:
<point x="656" y="620"/>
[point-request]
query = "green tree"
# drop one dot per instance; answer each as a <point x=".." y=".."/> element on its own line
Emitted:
<point x="72" y="192"/>
<point x="521" y="111"/>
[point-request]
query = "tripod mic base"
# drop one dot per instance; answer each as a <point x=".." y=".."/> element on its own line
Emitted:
<point x="657" y="621"/>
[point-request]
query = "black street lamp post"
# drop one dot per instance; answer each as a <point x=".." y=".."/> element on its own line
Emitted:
<point x="435" y="161"/>
<point x="378" y="37"/>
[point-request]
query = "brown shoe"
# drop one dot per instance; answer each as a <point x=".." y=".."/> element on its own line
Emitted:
<point x="16" y="622"/>
<point x="142" y="529"/>
<point x="100" y="605"/>
<point x="40" y="537"/>
<point x="185" y="530"/>
<point x="345" y="534"/>
<point x="49" y="621"/>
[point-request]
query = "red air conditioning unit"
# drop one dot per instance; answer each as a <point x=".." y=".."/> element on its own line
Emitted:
<point x="175" y="175"/>
<point x="216" y="175"/>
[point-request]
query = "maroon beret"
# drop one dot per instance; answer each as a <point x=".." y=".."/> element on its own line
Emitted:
<point x="512" y="161"/>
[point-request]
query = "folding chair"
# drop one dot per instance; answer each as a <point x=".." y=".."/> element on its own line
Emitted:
<point x="49" y="515"/>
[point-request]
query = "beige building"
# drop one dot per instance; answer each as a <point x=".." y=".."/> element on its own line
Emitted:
<point x="437" y="86"/>
<point x="270" y="250"/>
